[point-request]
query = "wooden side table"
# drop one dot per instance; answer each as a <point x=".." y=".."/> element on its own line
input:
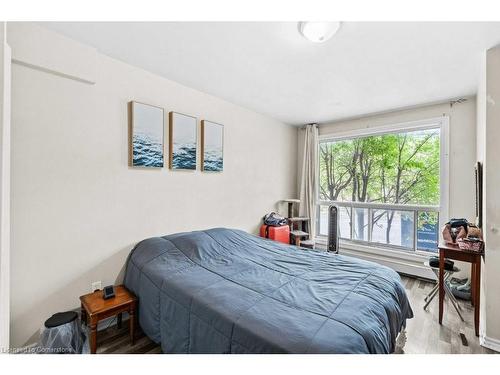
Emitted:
<point x="455" y="253"/>
<point x="95" y="308"/>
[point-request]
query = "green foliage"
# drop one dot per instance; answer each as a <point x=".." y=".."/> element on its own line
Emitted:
<point x="427" y="218"/>
<point x="391" y="168"/>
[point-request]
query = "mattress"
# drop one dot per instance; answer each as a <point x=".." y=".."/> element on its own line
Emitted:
<point x="227" y="291"/>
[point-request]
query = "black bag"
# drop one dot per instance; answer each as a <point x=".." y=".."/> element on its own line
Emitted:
<point x="448" y="264"/>
<point x="456" y="223"/>
<point x="274" y="220"/>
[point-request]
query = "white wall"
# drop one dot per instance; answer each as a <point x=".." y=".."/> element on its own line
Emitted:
<point x="489" y="133"/>
<point x="462" y="147"/>
<point x="4" y="187"/>
<point x="78" y="209"/>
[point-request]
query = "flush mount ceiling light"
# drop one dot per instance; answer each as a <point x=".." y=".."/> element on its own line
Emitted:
<point x="318" y="32"/>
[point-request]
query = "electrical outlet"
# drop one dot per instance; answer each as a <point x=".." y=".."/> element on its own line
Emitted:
<point x="96" y="285"/>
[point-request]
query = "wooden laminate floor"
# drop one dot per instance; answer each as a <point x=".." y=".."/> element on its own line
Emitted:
<point x="424" y="334"/>
<point x="117" y="341"/>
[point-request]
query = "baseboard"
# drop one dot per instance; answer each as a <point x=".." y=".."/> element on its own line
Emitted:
<point x="402" y="262"/>
<point x="399" y="265"/>
<point x="490" y="343"/>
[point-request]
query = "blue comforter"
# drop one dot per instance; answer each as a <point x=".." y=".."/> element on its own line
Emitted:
<point x="226" y="291"/>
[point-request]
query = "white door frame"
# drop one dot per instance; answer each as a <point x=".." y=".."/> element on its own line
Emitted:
<point x="5" y="105"/>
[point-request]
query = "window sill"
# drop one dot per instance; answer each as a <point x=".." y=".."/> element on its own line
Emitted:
<point x="400" y="261"/>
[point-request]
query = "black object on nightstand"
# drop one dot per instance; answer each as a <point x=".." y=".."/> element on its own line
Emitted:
<point x="108" y="292"/>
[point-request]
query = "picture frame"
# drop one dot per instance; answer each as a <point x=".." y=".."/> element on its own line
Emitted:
<point x="146" y="125"/>
<point x="212" y="146"/>
<point x="183" y="134"/>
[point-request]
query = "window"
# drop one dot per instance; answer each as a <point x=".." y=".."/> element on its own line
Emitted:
<point x="387" y="184"/>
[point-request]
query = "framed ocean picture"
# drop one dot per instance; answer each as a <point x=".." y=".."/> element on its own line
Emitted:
<point x="212" y="146"/>
<point x="182" y="141"/>
<point x="146" y="134"/>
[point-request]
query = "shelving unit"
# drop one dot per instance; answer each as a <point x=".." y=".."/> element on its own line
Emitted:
<point x="299" y="225"/>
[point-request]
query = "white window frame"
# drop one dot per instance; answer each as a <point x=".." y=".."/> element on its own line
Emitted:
<point x="402" y="261"/>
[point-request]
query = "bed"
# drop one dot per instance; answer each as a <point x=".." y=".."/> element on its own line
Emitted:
<point x="227" y="291"/>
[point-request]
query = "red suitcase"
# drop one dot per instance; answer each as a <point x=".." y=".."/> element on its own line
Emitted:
<point x="280" y="234"/>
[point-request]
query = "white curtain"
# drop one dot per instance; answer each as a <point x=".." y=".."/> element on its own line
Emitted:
<point x="308" y="184"/>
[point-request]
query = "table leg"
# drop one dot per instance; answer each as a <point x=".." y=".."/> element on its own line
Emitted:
<point x="472" y="280"/>
<point x="441" y="286"/>
<point x="83" y="315"/>
<point x="119" y="321"/>
<point x="477" y="293"/>
<point x="132" y="325"/>
<point x="93" y="337"/>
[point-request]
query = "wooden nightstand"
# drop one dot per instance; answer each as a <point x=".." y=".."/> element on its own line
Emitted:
<point x="95" y="308"/>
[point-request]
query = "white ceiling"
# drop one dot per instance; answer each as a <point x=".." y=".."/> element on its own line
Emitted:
<point x="269" y="67"/>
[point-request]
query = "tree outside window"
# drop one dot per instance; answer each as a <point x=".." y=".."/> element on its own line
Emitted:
<point x="396" y="168"/>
